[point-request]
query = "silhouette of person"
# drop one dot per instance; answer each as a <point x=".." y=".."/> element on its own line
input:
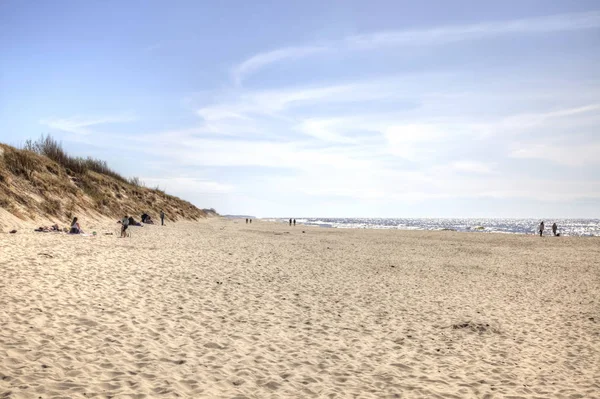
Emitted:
<point x="294" y="222"/>
<point x="554" y="229"/>
<point x="246" y="220"/>
<point x="541" y="228"/>
<point x="290" y="222"/>
<point x="250" y="221"/>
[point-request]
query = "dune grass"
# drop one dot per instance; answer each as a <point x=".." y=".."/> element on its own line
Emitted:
<point x="43" y="180"/>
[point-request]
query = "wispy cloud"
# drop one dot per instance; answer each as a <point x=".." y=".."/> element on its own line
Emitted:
<point x="423" y="37"/>
<point x="258" y="61"/>
<point x="189" y="184"/>
<point x="447" y="34"/>
<point x="81" y="125"/>
<point x="472" y="167"/>
<point x="573" y="155"/>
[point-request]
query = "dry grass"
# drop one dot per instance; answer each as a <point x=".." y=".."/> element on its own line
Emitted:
<point x="21" y="163"/>
<point x="52" y="206"/>
<point x="52" y="149"/>
<point x="69" y="185"/>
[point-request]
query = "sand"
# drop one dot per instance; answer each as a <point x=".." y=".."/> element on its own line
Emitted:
<point x="221" y="309"/>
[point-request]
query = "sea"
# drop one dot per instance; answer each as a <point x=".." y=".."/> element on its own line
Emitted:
<point x="566" y="227"/>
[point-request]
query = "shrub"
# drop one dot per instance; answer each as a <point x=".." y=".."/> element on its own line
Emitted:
<point x="52" y="149"/>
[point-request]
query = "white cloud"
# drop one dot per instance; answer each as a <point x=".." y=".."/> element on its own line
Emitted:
<point x="333" y="141"/>
<point x="528" y="120"/>
<point x="447" y="34"/>
<point x="324" y="130"/>
<point x="564" y="154"/>
<point x="81" y="125"/>
<point x="472" y="167"/>
<point x="188" y="184"/>
<point x="258" y="61"/>
<point x="422" y="37"/>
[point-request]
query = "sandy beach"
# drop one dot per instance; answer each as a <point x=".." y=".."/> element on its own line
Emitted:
<point x="222" y="309"/>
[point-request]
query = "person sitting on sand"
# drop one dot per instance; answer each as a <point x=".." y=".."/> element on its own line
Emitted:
<point x="149" y="220"/>
<point x="554" y="229"/>
<point x="541" y="228"/>
<point x="124" y="225"/>
<point x="75" y="228"/>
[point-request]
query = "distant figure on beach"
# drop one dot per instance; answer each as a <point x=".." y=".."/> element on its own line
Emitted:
<point x="541" y="228"/>
<point x="75" y="228"/>
<point x="294" y="222"/>
<point x="124" y="225"/>
<point x="250" y="221"/>
<point x="554" y="229"/>
<point x="290" y="221"/>
<point x="246" y="220"/>
<point x="162" y="218"/>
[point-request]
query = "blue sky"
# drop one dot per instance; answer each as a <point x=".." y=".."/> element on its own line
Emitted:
<point x="320" y="108"/>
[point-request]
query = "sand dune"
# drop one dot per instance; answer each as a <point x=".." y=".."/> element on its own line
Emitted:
<point x="221" y="309"/>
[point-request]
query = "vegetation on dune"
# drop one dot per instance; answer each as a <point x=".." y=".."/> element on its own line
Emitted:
<point x="41" y="179"/>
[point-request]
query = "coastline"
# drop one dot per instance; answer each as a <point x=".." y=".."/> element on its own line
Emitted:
<point x="567" y="227"/>
<point x="218" y="308"/>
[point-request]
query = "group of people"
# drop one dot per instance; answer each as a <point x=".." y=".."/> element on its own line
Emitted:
<point x="125" y="223"/>
<point x="292" y="220"/>
<point x="248" y="221"/>
<point x="554" y="229"/>
<point x="130" y="221"/>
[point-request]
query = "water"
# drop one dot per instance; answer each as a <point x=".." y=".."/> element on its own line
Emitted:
<point x="566" y="227"/>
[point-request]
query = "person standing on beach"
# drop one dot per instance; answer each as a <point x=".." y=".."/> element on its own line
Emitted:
<point x="554" y="229"/>
<point x="294" y="222"/>
<point x="290" y="221"/>
<point x="162" y="218"/>
<point x="541" y="228"/>
<point x="124" y="225"/>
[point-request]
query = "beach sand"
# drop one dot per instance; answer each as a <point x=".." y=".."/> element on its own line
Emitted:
<point x="222" y="309"/>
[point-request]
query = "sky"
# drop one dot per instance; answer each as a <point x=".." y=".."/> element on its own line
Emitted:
<point x="320" y="108"/>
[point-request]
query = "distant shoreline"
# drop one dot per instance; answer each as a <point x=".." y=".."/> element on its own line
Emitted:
<point x="566" y="227"/>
